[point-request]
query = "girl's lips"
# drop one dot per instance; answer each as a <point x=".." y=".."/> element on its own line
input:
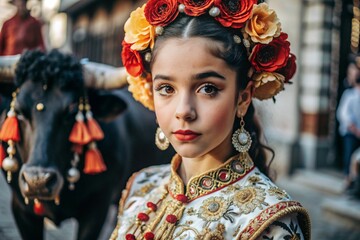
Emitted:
<point x="186" y="135"/>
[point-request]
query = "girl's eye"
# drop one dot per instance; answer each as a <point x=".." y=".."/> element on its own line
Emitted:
<point x="209" y="89"/>
<point x="165" y="90"/>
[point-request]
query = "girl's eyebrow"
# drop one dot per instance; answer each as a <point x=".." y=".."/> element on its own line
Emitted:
<point x="208" y="74"/>
<point x="163" y="77"/>
<point x="198" y="76"/>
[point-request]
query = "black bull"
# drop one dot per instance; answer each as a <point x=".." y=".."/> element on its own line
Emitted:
<point x="44" y="152"/>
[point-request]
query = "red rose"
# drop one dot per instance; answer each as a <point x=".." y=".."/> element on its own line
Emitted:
<point x="234" y="13"/>
<point x="131" y="60"/>
<point x="196" y="8"/>
<point x="290" y="68"/>
<point x="271" y="57"/>
<point x="161" y="12"/>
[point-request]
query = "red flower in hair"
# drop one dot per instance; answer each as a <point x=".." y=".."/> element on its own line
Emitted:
<point x="161" y="12"/>
<point x="234" y="13"/>
<point x="289" y="70"/>
<point x="131" y="60"/>
<point x="196" y="8"/>
<point x="271" y="57"/>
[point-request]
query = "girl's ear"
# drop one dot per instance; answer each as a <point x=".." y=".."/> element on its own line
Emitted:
<point x="244" y="99"/>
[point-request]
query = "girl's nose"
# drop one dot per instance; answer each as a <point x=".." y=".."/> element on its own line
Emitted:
<point x="185" y="109"/>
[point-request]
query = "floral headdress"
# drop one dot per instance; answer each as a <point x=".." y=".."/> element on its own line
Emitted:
<point x="258" y="27"/>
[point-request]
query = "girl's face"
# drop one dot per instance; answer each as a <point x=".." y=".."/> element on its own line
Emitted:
<point x="195" y="97"/>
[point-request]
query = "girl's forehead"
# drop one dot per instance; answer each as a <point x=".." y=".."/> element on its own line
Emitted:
<point x="188" y="48"/>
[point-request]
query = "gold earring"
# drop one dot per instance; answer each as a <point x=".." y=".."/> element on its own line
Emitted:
<point x="241" y="138"/>
<point x="161" y="140"/>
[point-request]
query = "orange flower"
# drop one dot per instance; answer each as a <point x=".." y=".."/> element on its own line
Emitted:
<point x="141" y="88"/>
<point x="267" y="84"/>
<point x="131" y="60"/>
<point x="138" y="31"/>
<point x="264" y="24"/>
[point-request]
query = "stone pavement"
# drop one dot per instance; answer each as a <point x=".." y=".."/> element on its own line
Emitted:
<point x="333" y="216"/>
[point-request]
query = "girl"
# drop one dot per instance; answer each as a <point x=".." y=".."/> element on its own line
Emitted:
<point x="198" y="64"/>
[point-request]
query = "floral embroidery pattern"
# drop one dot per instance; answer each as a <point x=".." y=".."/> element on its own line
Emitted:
<point x="249" y="198"/>
<point x="213" y="208"/>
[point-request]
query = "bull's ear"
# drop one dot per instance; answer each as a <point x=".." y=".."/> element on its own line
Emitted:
<point x="106" y="105"/>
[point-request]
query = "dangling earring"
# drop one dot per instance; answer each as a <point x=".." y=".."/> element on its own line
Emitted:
<point x="161" y="140"/>
<point x="241" y="138"/>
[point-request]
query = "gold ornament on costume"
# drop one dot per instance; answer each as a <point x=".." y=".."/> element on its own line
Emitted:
<point x="213" y="208"/>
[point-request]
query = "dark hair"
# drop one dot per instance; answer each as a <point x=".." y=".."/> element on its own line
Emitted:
<point x="53" y="68"/>
<point x="235" y="55"/>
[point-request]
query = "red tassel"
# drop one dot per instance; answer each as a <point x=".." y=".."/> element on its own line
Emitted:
<point x="94" y="129"/>
<point x="10" y="130"/>
<point x="79" y="134"/>
<point x="2" y="154"/>
<point x="94" y="162"/>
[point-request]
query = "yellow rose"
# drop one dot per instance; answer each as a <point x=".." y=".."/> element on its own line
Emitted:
<point x="141" y="88"/>
<point x="138" y="31"/>
<point x="267" y="84"/>
<point x="263" y="25"/>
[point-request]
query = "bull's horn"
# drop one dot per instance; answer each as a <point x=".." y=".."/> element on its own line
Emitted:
<point x="7" y="68"/>
<point x="102" y="76"/>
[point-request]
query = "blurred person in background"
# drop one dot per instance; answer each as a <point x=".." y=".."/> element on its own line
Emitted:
<point x="20" y="32"/>
<point x="348" y="115"/>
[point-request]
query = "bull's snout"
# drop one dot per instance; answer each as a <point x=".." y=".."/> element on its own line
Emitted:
<point x="40" y="183"/>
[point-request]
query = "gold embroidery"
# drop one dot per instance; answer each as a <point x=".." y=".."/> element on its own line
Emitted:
<point x="231" y="171"/>
<point x="278" y="193"/>
<point x="213" y="208"/>
<point x="249" y="198"/>
<point x="214" y="235"/>
<point x="144" y="190"/>
<point x="254" y="179"/>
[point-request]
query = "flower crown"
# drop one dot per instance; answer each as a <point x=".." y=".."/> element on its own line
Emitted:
<point x="272" y="64"/>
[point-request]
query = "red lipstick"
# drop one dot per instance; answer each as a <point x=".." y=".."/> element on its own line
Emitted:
<point x="186" y="135"/>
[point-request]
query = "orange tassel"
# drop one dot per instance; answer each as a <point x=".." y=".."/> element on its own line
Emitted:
<point x="94" y="162"/>
<point x="2" y="154"/>
<point x="10" y="130"/>
<point x="94" y="129"/>
<point x="79" y="134"/>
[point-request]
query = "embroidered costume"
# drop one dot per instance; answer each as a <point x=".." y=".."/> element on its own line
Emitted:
<point x="234" y="201"/>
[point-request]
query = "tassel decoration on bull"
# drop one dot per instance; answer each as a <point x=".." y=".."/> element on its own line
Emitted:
<point x="10" y="133"/>
<point x="79" y="136"/>
<point x="94" y="162"/>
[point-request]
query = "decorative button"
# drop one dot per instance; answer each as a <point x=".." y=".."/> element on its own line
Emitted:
<point x="224" y="175"/>
<point x="171" y="218"/>
<point x="213" y="207"/>
<point x="206" y="182"/>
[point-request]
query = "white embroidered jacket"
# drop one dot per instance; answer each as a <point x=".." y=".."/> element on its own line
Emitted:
<point x="234" y="201"/>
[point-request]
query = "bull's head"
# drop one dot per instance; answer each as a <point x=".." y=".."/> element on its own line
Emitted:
<point x="49" y="87"/>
